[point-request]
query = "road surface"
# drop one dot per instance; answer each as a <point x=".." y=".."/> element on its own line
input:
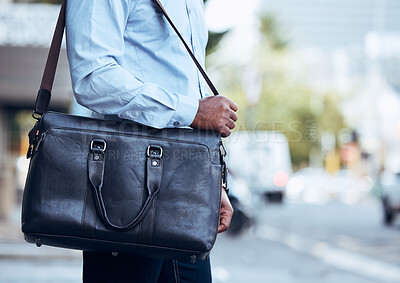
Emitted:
<point x="293" y="242"/>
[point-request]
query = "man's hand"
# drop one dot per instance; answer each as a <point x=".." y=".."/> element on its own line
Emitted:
<point x="226" y="213"/>
<point x="216" y="113"/>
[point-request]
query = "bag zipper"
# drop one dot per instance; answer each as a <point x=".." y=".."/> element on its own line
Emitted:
<point x="39" y="142"/>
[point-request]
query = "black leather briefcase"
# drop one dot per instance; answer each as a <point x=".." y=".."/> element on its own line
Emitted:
<point x="116" y="186"/>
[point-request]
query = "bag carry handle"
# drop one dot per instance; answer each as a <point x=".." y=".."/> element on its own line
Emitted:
<point x="44" y="95"/>
<point x="96" y="165"/>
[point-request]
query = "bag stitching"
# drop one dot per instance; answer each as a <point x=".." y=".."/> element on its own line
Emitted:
<point x="176" y="271"/>
<point x="84" y="207"/>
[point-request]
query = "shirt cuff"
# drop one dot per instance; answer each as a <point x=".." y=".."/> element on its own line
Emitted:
<point x="185" y="112"/>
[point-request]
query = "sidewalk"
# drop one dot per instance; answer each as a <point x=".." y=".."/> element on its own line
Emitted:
<point x="13" y="245"/>
<point x="21" y="262"/>
<point x="10" y="231"/>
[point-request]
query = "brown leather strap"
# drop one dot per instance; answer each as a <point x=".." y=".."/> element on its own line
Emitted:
<point x="54" y="52"/>
<point x="44" y="94"/>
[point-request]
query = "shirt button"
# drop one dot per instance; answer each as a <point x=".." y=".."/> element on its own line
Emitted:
<point x="176" y="123"/>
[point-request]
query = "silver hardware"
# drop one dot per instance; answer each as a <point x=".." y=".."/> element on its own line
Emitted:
<point x="193" y="259"/>
<point x="36" y="115"/>
<point x="98" y="145"/>
<point x="223" y="150"/>
<point x="152" y="153"/>
<point x="39" y="142"/>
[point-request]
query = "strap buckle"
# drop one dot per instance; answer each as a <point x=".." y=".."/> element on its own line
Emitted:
<point x="98" y="145"/>
<point x="222" y="150"/>
<point x="224" y="175"/>
<point x="154" y="151"/>
<point x="36" y="115"/>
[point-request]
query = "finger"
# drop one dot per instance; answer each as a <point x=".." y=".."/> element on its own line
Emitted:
<point x="230" y="124"/>
<point x="225" y="220"/>
<point x="223" y="225"/>
<point x="233" y="105"/>
<point x="222" y="228"/>
<point x="225" y="132"/>
<point x="233" y="116"/>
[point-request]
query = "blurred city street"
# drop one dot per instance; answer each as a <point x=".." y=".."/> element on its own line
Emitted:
<point x="299" y="242"/>
<point x="314" y="160"/>
<point x="292" y="242"/>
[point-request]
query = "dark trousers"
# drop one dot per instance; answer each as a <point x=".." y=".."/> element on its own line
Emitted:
<point x="104" y="267"/>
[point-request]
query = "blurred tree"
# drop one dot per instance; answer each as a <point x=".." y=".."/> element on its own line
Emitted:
<point x="214" y="39"/>
<point x="286" y="103"/>
<point x="269" y="28"/>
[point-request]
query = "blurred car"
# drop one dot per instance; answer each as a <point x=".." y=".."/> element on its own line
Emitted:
<point x="262" y="158"/>
<point x="242" y="203"/>
<point x="390" y="186"/>
<point x="309" y="185"/>
<point x="315" y="185"/>
<point x="348" y="187"/>
<point x="342" y="181"/>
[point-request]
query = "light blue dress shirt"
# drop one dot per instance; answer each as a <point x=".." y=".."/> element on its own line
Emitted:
<point x="127" y="62"/>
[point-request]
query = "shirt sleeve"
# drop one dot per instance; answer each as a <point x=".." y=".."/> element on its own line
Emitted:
<point x="95" y="46"/>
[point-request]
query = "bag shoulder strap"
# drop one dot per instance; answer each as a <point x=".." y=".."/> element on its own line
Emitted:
<point x="44" y="94"/>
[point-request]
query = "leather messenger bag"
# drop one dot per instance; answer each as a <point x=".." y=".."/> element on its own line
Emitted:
<point x="117" y="186"/>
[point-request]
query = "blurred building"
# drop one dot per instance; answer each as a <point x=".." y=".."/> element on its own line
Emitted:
<point x="330" y="24"/>
<point x="25" y="35"/>
<point x="352" y="48"/>
<point x="332" y="35"/>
